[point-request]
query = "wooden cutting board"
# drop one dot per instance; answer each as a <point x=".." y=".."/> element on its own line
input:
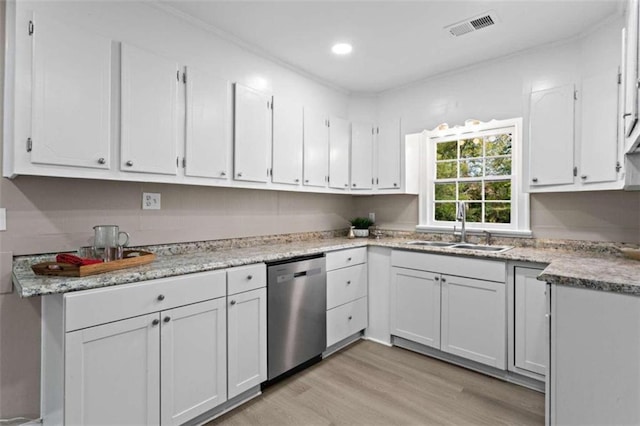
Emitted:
<point x="131" y="259"/>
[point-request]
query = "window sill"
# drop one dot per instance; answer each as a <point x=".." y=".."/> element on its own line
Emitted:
<point x="470" y="230"/>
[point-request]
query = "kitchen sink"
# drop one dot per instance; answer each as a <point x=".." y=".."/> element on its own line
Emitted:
<point x="463" y="246"/>
<point x="431" y="243"/>
<point x="494" y="249"/>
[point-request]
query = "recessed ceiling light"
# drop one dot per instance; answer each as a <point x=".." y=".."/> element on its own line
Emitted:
<point x="342" y="48"/>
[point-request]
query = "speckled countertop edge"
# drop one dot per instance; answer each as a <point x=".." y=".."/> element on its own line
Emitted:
<point x="599" y="269"/>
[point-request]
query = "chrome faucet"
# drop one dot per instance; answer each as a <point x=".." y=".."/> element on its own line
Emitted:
<point x="462" y="216"/>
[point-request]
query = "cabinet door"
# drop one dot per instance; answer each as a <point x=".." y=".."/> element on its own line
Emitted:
<point x="551" y="136"/>
<point x="599" y="135"/>
<point x="149" y="112"/>
<point x="474" y="320"/>
<point x="252" y="130"/>
<point x="247" y="340"/>
<point x="388" y="155"/>
<point x="112" y="373"/>
<point x="194" y="360"/>
<point x="287" y="142"/>
<point x="71" y="96"/>
<point x="415" y="306"/>
<point x="208" y="142"/>
<point x="631" y="68"/>
<point x="361" y="156"/>
<point x="339" y="136"/>
<point x="531" y="347"/>
<point x="316" y="148"/>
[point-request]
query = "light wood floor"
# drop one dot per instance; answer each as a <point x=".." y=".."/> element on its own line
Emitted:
<point x="371" y="384"/>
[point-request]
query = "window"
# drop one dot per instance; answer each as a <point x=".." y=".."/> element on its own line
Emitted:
<point x="479" y="165"/>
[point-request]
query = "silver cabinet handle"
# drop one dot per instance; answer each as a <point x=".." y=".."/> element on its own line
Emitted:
<point x="223" y="174"/>
<point x="101" y="160"/>
<point x="155" y="322"/>
<point x="249" y="277"/>
<point x="129" y="163"/>
<point x="534" y="179"/>
<point x="233" y="302"/>
<point x="161" y="297"/>
<point x="627" y="114"/>
<point x="167" y="319"/>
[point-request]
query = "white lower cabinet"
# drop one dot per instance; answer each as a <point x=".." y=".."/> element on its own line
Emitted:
<point x="530" y="344"/>
<point x="163" y="351"/>
<point x="415" y="306"/>
<point x="594" y="373"/>
<point x="247" y="340"/>
<point x="347" y="308"/>
<point x="474" y="320"/>
<point x="464" y="316"/>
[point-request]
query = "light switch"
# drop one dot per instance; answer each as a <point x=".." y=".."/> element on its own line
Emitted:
<point x="6" y="269"/>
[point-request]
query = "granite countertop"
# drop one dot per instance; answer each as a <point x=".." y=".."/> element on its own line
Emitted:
<point x="587" y="269"/>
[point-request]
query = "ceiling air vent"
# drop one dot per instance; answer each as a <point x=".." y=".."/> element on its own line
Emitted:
<point x="484" y="20"/>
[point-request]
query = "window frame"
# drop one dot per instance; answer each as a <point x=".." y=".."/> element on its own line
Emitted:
<point x="520" y="218"/>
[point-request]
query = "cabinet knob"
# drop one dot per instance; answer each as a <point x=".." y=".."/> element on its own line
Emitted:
<point x="395" y="185"/>
<point x="348" y="282"/>
<point x="101" y="160"/>
<point x="350" y="317"/>
<point x="167" y="319"/>
<point x="161" y="297"/>
<point x="223" y="173"/>
<point x="348" y="259"/>
<point x="444" y="280"/>
<point x="155" y="322"/>
<point x="353" y="184"/>
<point x="239" y="174"/>
<point x="346" y="185"/>
<point x="583" y="177"/>
<point x="534" y="180"/>
<point x="129" y="163"/>
<point x="233" y="302"/>
<point x="436" y="278"/>
<point x="297" y="180"/>
<point x="626" y="114"/>
<point x="306" y="181"/>
<point x="249" y="277"/>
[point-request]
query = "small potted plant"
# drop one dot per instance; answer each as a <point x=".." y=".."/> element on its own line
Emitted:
<point x="361" y="225"/>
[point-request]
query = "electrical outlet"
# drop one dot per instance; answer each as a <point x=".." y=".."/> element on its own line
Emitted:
<point x="150" y="201"/>
<point x="372" y="217"/>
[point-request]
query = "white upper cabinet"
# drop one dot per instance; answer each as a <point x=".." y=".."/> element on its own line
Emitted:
<point x="339" y="136"/>
<point x="362" y="136"/>
<point x="551" y="136"/>
<point x="71" y="96"/>
<point x="388" y="155"/>
<point x="252" y="130"/>
<point x="599" y="133"/>
<point x="316" y="148"/>
<point x="630" y="52"/>
<point x="208" y="125"/>
<point x="287" y="142"/>
<point x="149" y="112"/>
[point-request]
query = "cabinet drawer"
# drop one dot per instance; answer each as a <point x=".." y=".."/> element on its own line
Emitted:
<point x="245" y="278"/>
<point x="346" y="320"/>
<point x="344" y="258"/>
<point x="346" y="284"/>
<point x="99" y="306"/>
<point x="490" y="270"/>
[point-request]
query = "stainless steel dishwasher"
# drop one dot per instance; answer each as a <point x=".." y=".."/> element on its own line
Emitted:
<point x="296" y="313"/>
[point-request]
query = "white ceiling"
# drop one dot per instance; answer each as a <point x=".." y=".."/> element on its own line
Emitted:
<point x="394" y="42"/>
